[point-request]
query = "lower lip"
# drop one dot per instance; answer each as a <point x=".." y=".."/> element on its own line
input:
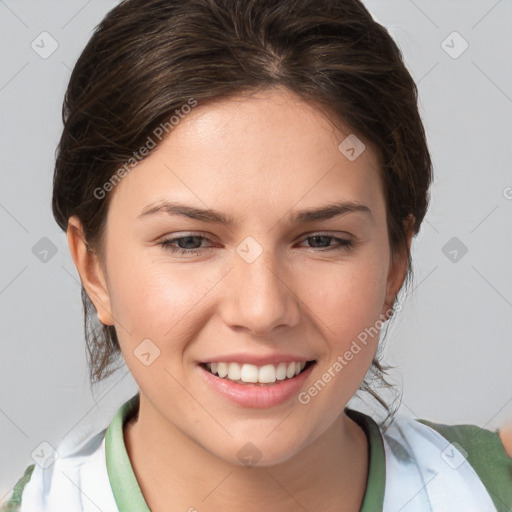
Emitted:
<point x="255" y="395"/>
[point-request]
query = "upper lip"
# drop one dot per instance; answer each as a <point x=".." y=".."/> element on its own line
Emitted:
<point x="258" y="360"/>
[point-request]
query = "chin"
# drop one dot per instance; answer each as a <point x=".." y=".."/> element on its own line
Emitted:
<point x="253" y="454"/>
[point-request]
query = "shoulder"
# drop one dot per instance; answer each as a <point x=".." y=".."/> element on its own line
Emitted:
<point x="485" y="451"/>
<point x="483" y="447"/>
<point x="465" y="466"/>
<point x="14" y="501"/>
<point x="79" y="467"/>
<point x="499" y="440"/>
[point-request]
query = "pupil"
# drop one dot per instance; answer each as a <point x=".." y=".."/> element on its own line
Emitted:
<point x="319" y="238"/>
<point x="186" y="239"/>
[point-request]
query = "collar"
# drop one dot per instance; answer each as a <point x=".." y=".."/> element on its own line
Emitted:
<point x="129" y="497"/>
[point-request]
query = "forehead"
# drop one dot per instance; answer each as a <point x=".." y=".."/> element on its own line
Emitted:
<point x="267" y="149"/>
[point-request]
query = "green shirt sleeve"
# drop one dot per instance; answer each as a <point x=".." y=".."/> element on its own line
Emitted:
<point x="14" y="503"/>
<point x="487" y="456"/>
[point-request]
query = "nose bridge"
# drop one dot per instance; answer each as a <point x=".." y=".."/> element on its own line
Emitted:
<point x="261" y="299"/>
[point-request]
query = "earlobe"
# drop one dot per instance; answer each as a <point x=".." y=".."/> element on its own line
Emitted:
<point x="91" y="274"/>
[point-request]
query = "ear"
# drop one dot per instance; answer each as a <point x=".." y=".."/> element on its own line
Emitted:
<point x="398" y="267"/>
<point x="91" y="274"/>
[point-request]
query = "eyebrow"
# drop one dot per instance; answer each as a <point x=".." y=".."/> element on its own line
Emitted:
<point x="324" y="212"/>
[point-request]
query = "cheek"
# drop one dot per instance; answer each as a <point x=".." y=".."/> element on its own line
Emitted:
<point x="159" y="302"/>
<point x="154" y="298"/>
<point x="348" y="297"/>
<point x="347" y="302"/>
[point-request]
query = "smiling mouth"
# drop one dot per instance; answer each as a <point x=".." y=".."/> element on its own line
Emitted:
<point x="268" y="374"/>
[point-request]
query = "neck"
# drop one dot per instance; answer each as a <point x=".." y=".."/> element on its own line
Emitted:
<point x="172" y="468"/>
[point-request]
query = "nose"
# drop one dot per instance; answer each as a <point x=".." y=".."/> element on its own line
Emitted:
<point x="259" y="296"/>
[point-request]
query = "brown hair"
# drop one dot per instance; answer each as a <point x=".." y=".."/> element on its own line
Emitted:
<point x="148" y="58"/>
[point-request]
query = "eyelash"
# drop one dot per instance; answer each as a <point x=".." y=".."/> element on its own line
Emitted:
<point x="343" y="244"/>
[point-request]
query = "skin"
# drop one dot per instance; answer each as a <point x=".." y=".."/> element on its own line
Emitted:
<point x="505" y="433"/>
<point x="256" y="158"/>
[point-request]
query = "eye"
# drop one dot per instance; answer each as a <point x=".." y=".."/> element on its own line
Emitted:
<point x="341" y="243"/>
<point x="191" y="244"/>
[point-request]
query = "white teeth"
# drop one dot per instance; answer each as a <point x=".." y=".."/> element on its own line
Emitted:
<point x="267" y="374"/>
<point x="222" y="369"/>
<point x="290" y="371"/>
<point x="281" y="371"/>
<point x="233" y="371"/>
<point x="249" y="373"/>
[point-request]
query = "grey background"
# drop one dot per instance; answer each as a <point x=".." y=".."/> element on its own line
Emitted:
<point x="451" y="343"/>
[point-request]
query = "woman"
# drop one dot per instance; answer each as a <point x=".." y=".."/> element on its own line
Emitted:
<point x="240" y="182"/>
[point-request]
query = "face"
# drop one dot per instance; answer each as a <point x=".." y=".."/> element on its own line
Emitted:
<point x="276" y="284"/>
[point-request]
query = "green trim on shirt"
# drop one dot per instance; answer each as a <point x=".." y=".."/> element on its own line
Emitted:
<point x="487" y="456"/>
<point x="126" y="490"/>
<point x="13" y="505"/>
<point x="374" y="495"/>
<point x="129" y="497"/>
